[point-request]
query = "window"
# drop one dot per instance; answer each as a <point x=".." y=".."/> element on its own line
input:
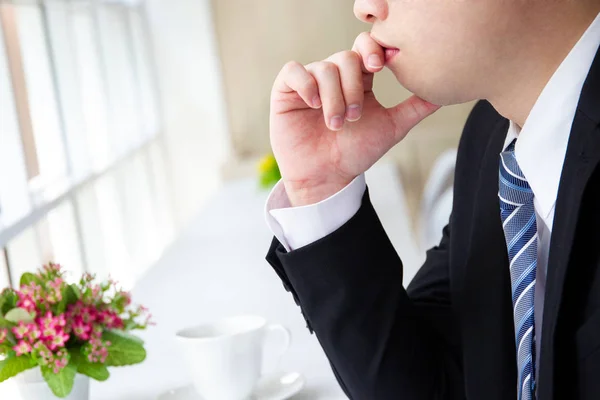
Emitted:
<point x="80" y="136"/>
<point x="162" y="199"/>
<point x="41" y="93"/>
<point x="143" y="64"/>
<point x="83" y="180"/>
<point x="59" y="17"/>
<point x="91" y="83"/>
<point x="123" y="98"/>
<point x="64" y="238"/>
<point x="4" y="277"/>
<point x="24" y="253"/>
<point x="14" y="195"/>
<point x="110" y="213"/>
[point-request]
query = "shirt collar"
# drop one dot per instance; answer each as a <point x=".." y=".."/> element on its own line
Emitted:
<point x="542" y="145"/>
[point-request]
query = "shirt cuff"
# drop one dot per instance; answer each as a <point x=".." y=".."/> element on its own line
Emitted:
<point x="296" y="227"/>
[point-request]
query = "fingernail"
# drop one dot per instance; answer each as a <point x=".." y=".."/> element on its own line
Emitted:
<point x="374" y="61"/>
<point x="336" y="123"/>
<point x="353" y="113"/>
<point x="316" y="102"/>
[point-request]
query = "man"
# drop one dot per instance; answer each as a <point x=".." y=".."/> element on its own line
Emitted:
<point x="508" y="305"/>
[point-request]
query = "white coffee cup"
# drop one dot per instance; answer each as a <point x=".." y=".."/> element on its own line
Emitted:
<point x="225" y="357"/>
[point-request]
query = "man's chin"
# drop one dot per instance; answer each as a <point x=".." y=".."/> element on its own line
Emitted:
<point x="429" y="88"/>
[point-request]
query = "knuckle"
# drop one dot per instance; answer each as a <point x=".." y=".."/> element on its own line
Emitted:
<point x="291" y="66"/>
<point x="325" y="67"/>
<point x="307" y="85"/>
<point x="363" y="37"/>
<point x="354" y="95"/>
<point x="344" y="58"/>
<point x="336" y="104"/>
<point x="350" y="57"/>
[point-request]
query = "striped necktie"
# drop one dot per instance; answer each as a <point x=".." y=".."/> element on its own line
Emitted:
<point x="520" y="231"/>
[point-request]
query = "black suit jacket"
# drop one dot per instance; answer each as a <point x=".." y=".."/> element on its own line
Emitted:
<point x="450" y="334"/>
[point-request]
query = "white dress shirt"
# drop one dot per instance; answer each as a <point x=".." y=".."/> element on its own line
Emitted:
<point x="540" y="151"/>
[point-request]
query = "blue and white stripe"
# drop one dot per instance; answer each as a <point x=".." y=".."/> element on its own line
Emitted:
<point x="520" y="231"/>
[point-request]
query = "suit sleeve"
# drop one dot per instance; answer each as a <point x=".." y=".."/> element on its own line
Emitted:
<point x="383" y="342"/>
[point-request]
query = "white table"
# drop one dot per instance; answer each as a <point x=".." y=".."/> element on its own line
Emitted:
<point x="217" y="268"/>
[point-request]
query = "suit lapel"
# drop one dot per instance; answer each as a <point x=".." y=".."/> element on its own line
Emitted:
<point x="487" y="320"/>
<point x="583" y="155"/>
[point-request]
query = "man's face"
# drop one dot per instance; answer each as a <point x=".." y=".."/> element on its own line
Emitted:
<point x="451" y="51"/>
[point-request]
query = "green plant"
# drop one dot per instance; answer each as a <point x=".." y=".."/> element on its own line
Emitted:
<point x="65" y="329"/>
<point x="268" y="170"/>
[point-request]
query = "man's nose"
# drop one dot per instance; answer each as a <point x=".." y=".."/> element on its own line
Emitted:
<point x="370" y="10"/>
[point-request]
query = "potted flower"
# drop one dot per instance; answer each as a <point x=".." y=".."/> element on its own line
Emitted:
<point x="57" y="335"/>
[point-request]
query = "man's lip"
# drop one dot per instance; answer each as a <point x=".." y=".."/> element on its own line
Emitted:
<point x="384" y="45"/>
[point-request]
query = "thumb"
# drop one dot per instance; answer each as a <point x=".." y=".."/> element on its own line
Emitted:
<point x="409" y="113"/>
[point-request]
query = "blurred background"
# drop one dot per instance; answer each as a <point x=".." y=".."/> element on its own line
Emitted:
<point x="119" y="119"/>
<point x="126" y="124"/>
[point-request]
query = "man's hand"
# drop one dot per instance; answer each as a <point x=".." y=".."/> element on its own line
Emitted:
<point x="327" y="127"/>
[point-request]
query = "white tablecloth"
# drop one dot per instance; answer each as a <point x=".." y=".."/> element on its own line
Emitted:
<point x="217" y="268"/>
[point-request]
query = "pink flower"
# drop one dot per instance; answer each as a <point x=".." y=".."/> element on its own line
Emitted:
<point x="60" y="361"/>
<point x="48" y="333"/>
<point x="50" y="321"/>
<point x="149" y="320"/>
<point x="3" y="334"/>
<point x="55" y="290"/>
<point x="21" y="330"/>
<point x="96" y="332"/>
<point x="88" y="315"/>
<point x="32" y="290"/>
<point x="60" y="321"/>
<point x="126" y="296"/>
<point x="54" y="296"/>
<point x="52" y="267"/>
<point x="47" y="321"/>
<point x="56" y="283"/>
<point x="75" y="309"/>
<point x="98" y="350"/>
<point x="111" y="320"/>
<point x="34" y="333"/>
<point x="58" y="340"/>
<point x="46" y="356"/>
<point x="81" y="329"/>
<point x="26" y="302"/>
<point x="22" y="348"/>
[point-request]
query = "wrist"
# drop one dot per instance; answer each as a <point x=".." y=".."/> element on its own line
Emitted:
<point x="303" y="195"/>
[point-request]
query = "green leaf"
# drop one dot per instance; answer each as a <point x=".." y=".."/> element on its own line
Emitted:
<point x="13" y="366"/>
<point x="95" y="371"/>
<point x="61" y="384"/>
<point x="5" y="324"/>
<point x="27" y="278"/>
<point x="17" y="315"/>
<point x="68" y="297"/>
<point x="9" y="301"/>
<point x="124" y="349"/>
<point x="125" y="335"/>
<point x="76" y="290"/>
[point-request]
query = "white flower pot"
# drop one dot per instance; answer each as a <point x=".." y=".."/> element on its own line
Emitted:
<point x="32" y="386"/>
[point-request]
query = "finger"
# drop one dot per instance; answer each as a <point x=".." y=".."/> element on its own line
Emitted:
<point x="351" y="79"/>
<point x="409" y="113"/>
<point x="328" y="80"/>
<point x="295" y="78"/>
<point x="371" y="52"/>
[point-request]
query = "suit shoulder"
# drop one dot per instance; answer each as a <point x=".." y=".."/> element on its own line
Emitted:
<point x="482" y="116"/>
<point x="481" y="121"/>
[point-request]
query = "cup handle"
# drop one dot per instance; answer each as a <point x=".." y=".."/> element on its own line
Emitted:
<point x="287" y="339"/>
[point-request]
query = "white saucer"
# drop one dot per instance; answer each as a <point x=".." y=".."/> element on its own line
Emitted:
<point x="273" y="387"/>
